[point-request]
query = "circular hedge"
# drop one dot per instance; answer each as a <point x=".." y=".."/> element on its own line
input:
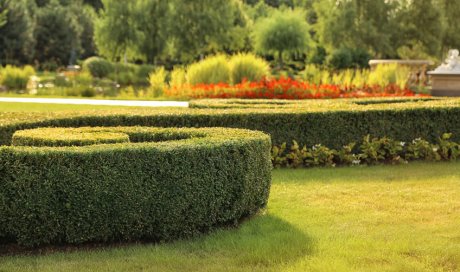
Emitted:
<point x="77" y="185"/>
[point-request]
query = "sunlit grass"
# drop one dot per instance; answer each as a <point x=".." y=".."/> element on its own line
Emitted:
<point x="39" y="107"/>
<point x="388" y="218"/>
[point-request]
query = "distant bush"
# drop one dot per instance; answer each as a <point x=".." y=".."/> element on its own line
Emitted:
<point x="345" y="58"/>
<point x="211" y="70"/>
<point x="98" y="67"/>
<point x="88" y="92"/>
<point x="312" y="74"/>
<point x="389" y="74"/>
<point x="157" y="81"/>
<point x="15" y="78"/>
<point x="249" y="67"/>
<point x="283" y="31"/>
<point x="178" y="77"/>
<point x="131" y="74"/>
<point x="341" y="59"/>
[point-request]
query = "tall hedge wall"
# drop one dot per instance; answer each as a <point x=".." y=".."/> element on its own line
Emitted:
<point x="332" y="123"/>
<point x="62" y="185"/>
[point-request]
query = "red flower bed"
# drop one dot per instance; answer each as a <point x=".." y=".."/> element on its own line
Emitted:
<point x="285" y="88"/>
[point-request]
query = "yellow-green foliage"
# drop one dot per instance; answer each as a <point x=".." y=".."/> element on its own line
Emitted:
<point x="178" y="77"/>
<point x="212" y="70"/>
<point x="383" y="75"/>
<point x="157" y="81"/>
<point x="347" y="77"/>
<point x="325" y="77"/>
<point x="389" y="74"/>
<point x="16" y="78"/>
<point x="360" y="78"/>
<point x="248" y="66"/>
<point x="312" y="74"/>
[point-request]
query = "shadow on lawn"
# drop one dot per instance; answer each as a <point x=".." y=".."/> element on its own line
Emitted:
<point x="264" y="240"/>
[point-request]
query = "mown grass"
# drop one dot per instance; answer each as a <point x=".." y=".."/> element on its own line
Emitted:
<point x="385" y="218"/>
<point x="39" y="107"/>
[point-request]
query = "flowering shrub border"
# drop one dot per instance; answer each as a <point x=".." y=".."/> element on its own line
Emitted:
<point x="286" y="88"/>
<point x="370" y="152"/>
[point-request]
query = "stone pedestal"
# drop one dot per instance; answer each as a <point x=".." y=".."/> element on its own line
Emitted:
<point x="445" y="84"/>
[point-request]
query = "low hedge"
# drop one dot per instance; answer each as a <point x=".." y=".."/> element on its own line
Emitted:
<point x="332" y="123"/>
<point x="60" y="185"/>
<point x="305" y="104"/>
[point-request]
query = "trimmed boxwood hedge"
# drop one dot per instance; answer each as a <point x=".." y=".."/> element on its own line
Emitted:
<point x="60" y="185"/>
<point x="332" y="123"/>
<point x="284" y="104"/>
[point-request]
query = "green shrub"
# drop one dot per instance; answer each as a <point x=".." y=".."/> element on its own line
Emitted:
<point x="62" y="81"/>
<point x="212" y="70"/>
<point x="284" y="31"/>
<point x="341" y="59"/>
<point x="345" y="58"/>
<point x="158" y="82"/>
<point x="371" y="151"/>
<point x="79" y="185"/>
<point x="84" y="78"/>
<point x="131" y="74"/>
<point x="98" y="67"/>
<point x="88" y="92"/>
<point x="249" y="67"/>
<point x="15" y="78"/>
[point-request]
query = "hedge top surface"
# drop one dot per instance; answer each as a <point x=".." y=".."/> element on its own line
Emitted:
<point x="329" y="104"/>
<point x="217" y="107"/>
<point x="84" y="139"/>
<point x="242" y="106"/>
<point x="332" y="123"/>
<point x="67" y="137"/>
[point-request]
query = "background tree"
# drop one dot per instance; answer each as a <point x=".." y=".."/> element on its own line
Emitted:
<point x="365" y="24"/>
<point x="201" y="27"/>
<point x="3" y="18"/>
<point x="450" y="11"/>
<point x="115" y="30"/>
<point x="86" y="17"/>
<point x="285" y="31"/>
<point x="152" y="29"/>
<point x="16" y="34"/>
<point x="57" y="35"/>
<point x="96" y="4"/>
<point x="422" y="28"/>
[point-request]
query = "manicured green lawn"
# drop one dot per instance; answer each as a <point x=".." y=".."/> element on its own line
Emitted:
<point x="36" y="107"/>
<point x="386" y="218"/>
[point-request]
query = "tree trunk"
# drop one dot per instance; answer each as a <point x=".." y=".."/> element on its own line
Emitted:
<point x="280" y="59"/>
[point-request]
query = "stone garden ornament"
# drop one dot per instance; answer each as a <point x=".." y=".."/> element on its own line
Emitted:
<point x="445" y="79"/>
<point x="451" y="64"/>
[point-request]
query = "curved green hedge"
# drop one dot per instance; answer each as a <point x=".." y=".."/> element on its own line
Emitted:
<point x="302" y="104"/>
<point x="77" y="185"/>
<point x="332" y="123"/>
